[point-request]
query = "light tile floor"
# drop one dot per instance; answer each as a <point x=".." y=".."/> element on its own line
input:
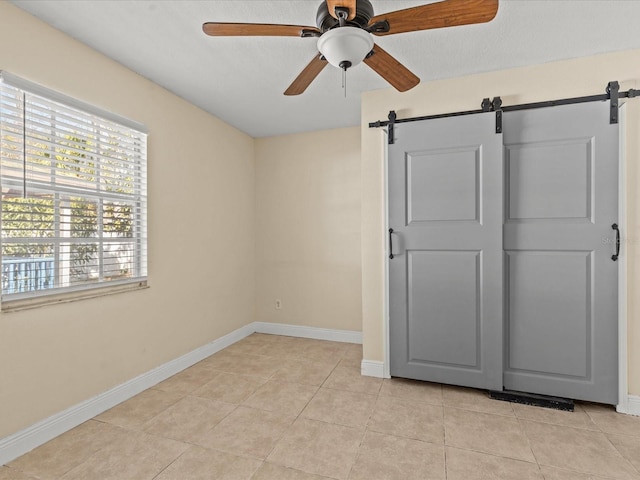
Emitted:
<point x="282" y="408"/>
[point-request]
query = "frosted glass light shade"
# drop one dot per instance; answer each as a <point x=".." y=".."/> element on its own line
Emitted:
<point x="345" y="44"/>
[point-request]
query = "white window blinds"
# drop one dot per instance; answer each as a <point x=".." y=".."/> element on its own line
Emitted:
<point x="74" y="199"/>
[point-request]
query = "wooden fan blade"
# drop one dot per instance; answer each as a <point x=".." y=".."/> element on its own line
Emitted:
<point x="219" y="29"/>
<point x="449" y="13"/>
<point x="307" y="76"/>
<point x="391" y="70"/>
<point x="350" y="4"/>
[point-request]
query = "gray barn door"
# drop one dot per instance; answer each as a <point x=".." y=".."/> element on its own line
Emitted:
<point x="445" y="278"/>
<point x="561" y="199"/>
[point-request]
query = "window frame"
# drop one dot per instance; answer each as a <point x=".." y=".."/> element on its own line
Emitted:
<point x="100" y="197"/>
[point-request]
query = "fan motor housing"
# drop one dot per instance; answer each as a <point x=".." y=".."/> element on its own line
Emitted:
<point x="364" y="13"/>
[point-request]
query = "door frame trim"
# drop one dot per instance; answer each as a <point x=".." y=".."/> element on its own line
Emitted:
<point x="386" y="367"/>
<point x="623" y="361"/>
<point x="623" y="391"/>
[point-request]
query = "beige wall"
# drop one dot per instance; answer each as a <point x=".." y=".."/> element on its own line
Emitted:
<point x="308" y="229"/>
<point x="297" y="217"/>
<point x="201" y="239"/>
<point x="537" y="83"/>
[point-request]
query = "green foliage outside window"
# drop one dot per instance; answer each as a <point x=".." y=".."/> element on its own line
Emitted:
<point x="79" y="218"/>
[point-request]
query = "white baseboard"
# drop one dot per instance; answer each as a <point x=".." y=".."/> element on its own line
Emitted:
<point x="631" y="406"/>
<point x="18" y="444"/>
<point x="24" y="441"/>
<point x="347" y="336"/>
<point x="372" y="368"/>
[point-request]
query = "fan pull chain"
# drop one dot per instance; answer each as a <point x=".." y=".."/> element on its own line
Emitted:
<point x="344" y="82"/>
<point x="344" y="65"/>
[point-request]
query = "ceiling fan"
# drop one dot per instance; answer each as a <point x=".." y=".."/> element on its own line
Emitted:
<point x="344" y="32"/>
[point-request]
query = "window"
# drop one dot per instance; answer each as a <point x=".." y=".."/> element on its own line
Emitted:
<point x="74" y="203"/>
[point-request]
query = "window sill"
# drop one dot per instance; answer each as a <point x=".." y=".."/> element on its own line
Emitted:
<point x="9" y="306"/>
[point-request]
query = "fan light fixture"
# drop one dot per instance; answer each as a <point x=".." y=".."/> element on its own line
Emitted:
<point x="346" y="27"/>
<point x="345" y="47"/>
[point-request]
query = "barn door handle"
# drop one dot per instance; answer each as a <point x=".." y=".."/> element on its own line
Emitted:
<point x="617" y="229"/>
<point x="391" y="244"/>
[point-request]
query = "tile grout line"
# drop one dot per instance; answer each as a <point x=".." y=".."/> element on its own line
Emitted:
<point x="355" y="460"/>
<point x="606" y="435"/>
<point x="188" y="443"/>
<point x="238" y="405"/>
<point x="444" y="446"/>
<point x="170" y="463"/>
<point x="488" y="454"/>
<point x="524" y="431"/>
<point x="365" y="430"/>
<point x="301" y="410"/>
<point x="574" y="428"/>
<point x="586" y="430"/>
<point x="590" y="475"/>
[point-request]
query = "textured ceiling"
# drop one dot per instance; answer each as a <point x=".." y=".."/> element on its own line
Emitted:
<point x="241" y="80"/>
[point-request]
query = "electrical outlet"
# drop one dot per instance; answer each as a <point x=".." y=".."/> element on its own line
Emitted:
<point x="278" y="304"/>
